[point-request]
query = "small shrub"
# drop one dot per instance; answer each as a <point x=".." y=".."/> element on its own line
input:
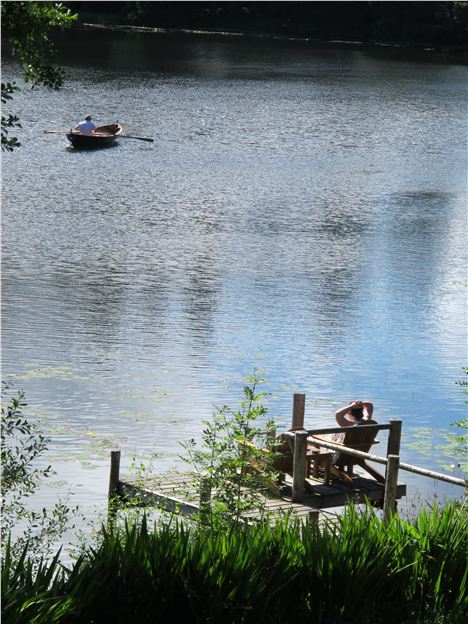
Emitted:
<point x="23" y="445"/>
<point x="230" y="464"/>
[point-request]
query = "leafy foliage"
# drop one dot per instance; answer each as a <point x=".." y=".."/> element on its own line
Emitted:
<point x="9" y="121"/>
<point x="461" y="439"/>
<point x="23" y="444"/>
<point x="228" y="464"/>
<point x="26" y="26"/>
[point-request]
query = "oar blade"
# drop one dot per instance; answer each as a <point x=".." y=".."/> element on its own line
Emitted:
<point x="129" y="136"/>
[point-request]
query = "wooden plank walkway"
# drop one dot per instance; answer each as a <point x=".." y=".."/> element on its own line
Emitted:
<point x="177" y="493"/>
<point x="337" y="493"/>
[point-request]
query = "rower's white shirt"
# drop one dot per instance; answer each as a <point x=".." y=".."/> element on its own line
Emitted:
<point x="85" y="127"/>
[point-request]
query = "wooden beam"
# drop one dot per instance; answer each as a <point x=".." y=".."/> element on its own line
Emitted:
<point x="298" y="411"/>
<point x="114" y="486"/>
<point x="394" y="437"/>
<point x="327" y="430"/>
<point x="393" y="450"/>
<point x="391" y="480"/>
<point x="314" y="515"/>
<point x="434" y="475"/>
<point x="146" y="498"/>
<point x="344" y="449"/>
<point x="114" y="474"/>
<point x="383" y="460"/>
<point x="299" y="466"/>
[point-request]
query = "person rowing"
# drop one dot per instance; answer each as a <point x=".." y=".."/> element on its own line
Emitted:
<point x="86" y="126"/>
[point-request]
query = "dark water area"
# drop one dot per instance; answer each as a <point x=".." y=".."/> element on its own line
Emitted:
<point x="302" y="211"/>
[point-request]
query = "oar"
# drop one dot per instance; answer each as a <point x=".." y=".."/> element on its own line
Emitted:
<point x="59" y="132"/>
<point x="128" y="136"/>
<point x="76" y="133"/>
<point x="117" y="136"/>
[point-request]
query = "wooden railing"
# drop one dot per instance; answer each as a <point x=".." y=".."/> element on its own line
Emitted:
<point x="303" y="437"/>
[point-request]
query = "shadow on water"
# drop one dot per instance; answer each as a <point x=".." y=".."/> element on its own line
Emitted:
<point x="73" y="150"/>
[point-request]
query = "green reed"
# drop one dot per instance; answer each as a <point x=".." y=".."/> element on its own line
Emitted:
<point x="354" y="570"/>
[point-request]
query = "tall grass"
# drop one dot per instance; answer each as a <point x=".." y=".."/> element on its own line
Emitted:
<point x="357" y="570"/>
<point x="432" y="569"/>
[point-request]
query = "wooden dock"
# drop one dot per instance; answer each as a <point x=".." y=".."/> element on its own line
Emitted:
<point x="178" y="493"/>
<point x="303" y="493"/>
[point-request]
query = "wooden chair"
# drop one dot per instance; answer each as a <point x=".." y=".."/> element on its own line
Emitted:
<point x="355" y="438"/>
<point x="279" y="457"/>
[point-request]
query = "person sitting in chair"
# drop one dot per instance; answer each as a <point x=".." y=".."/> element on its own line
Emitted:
<point x="357" y="412"/>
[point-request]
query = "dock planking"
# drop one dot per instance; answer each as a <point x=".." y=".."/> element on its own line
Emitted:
<point x="178" y="493"/>
<point x="337" y="494"/>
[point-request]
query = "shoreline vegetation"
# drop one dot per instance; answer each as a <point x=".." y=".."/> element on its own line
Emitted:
<point x="143" y="566"/>
<point x="355" y="570"/>
<point x="433" y="26"/>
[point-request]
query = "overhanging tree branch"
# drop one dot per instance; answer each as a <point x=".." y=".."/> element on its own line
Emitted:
<point x="25" y="28"/>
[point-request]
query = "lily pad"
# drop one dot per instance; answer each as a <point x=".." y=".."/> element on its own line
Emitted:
<point x="58" y="372"/>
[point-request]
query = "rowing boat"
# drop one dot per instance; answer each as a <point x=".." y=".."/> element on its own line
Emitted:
<point x="102" y="136"/>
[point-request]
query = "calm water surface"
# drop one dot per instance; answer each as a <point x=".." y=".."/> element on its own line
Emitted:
<point x="302" y="211"/>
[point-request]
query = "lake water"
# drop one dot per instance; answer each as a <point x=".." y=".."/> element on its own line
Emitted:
<point x="302" y="211"/>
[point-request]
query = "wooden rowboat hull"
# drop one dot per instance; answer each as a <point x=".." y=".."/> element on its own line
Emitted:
<point x="102" y="136"/>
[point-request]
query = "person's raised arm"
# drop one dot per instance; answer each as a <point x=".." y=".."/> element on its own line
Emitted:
<point x="368" y="409"/>
<point x="342" y="411"/>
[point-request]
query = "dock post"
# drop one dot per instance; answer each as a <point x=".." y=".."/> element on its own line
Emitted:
<point x="394" y="437"/>
<point x="298" y="411"/>
<point x="391" y="480"/>
<point x="314" y="516"/>
<point x="113" y="483"/>
<point x="205" y="497"/>
<point x="393" y="448"/>
<point x="299" y="465"/>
